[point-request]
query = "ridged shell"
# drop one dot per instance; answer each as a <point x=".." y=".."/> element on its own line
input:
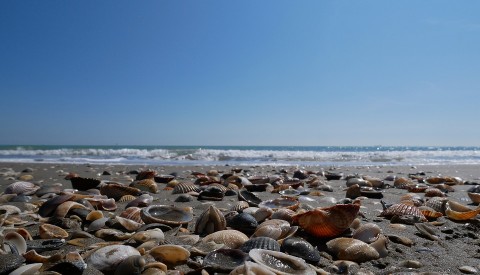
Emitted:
<point x="437" y="203"/>
<point x="185" y="187"/>
<point x="50" y="231"/>
<point x="83" y="184"/>
<point x="169" y="215"/>
<point x="211" y="220"/>
<point x="260" y="242"/>
<point x="429" y="212"/>
<point x="239" y="206"/>
<point x="434" y="192"/>
<point x="127" y="198"/>
<point x="229" y="237"/>
<point x="146" y="185"/>
<point x="280" y="263"/>
<point x="132" y="213"/>
<point x="402" y="183"/>
<point x="401" y="209"/>
<point x="352" y="250"/>
<point x="328" y="222"/>
<point x="21" y="187"/>
<point x="301" y="248"/>
<point x="116" y="191"/>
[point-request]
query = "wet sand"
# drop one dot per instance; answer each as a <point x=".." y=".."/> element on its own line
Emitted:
<point x="456" y="250"/>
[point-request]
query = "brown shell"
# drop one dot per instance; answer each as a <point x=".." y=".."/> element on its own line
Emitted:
<point x="231" y="238"/>
<point x="127" y="198"/>
<point x="459" y="212"/>
<point x="402" y="182"/>
<point x="416" y="188"/>
<point x="132" y="213"/>
<point x="412" y="198"/>
<point x="185" y="187"/>
<point x="328" y="222"/>
<point x="239" y="206"/>
<point x="50" y="231"/>
<point x="116" y="190"/>
<point x="429" y="212"/>
<point x="437" y="203"/>
<point x="148" y="174"/>
<point x="211" y="220"/>
<point x="434" y="192"/>
<point x="401" y="209"/>
<point x="475" y="197"/>
<point x="146" y="185"/>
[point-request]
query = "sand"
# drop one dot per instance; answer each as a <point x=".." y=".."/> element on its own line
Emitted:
<point x="457" y="250"/>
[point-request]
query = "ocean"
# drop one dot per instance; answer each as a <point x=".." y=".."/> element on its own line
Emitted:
<point x="244" y="155"/>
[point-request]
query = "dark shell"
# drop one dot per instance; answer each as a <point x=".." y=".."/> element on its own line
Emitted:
<point x="184" y="198"/>
<point x="259" y="179"/>
<point x="48" y="190"/>
<point x="185" y="187"/>
<point x="149" y="174"/>
<point x="224" y="260"/>
<point x="260" y="187"/>
<point x="300" y="174"/>
<point x="83" y="184"/>
<point x="260" y="242"/>
<point x="333" y="176"/>
<point x="243" y="222"/>
<point x="212" y="193"/>
<point x="169" y="215"/>
<point x="116" y="191"/>
<point x="164" y="178"/>
<point x="132" y="265"/>
<point x="48" y="208"/>
<point x="10" y="262"/>
<point x="45" y="245"/>
<point x="249" y="197"/>
<point x="301" y="248"/>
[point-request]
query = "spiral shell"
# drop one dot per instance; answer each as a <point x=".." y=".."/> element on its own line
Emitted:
<point x="328" y="222"/>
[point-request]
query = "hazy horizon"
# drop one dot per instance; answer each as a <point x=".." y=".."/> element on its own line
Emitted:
<point x="268" y="73"/>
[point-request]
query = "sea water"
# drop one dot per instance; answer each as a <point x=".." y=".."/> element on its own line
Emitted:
<point x="244" y="155"/>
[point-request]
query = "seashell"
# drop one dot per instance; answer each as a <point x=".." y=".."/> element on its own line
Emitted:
<point x="171" y="255"/>
<point x="437" y="203"/>
<point x="155" y="234"/>
<point x="212" y="193"/>
<point x="21" y="187"/>
<point x="290" y="192"/>
<point x="243" y="222"/>
<point x="97" y="224"/>
<point x="84" y="184"/>
<point x="110" y="234"/>
<point x="72" y="263"/>
<point x="443" y="187"/>
<point x="328" y="222"/>
<point x="14" y="243"/>
<point x="375" y="182"/>
<point x="129" y="225"/>
<point x="127" y="198"/>
<point x="239" y="206"/>
<point x="108" y="205"/>
<point x="260" y="242"/>
<point x="416" y="188"/>
<point x="132" y="213"/>
<point x="299" y="247"/>
<point x="410" y="198"/>
<point x="50" y="189"/>
<point x="367" y="233"/>
<point x="49" y="231"/>
<point x="458" y="212"/>
<point x="283" y="214"/>
<point x="131" y="265"/>
<point x="357" y="181"/>
<point x="289" y="203"/>
<point x="63" y="209"/>
<point x="333" y="176"/>
<point x="275" y="229"/>
<point x="280" y="263"/>
<point x="142" y="201"/>
<point x="434" y="192"/>
<point x="249" y="197"/>
<point x="211" y="220"/>
<point x="401" y="209"/>
<point x="258" y="187"/>
<point x="27" y="269"/>
<point x="429" y="212"/>
<point x="148" y="174"/>
<point x="475" y="197"/>
<point x="146" y="185"/>
<point x="230" y="238"/>
<point x="109" y="257"/>
<point x="184" y="198"/>
<point x="402" y="182"/>
<point x="224" y="260"/>
<point x="352" y="250"/>
<point x="220" y="186"/>
<point x="251" y="268"/>
<point x="427" y="231"/>
<point x="262" y="214"/>
<point x="353" y="191"/>
<point x="163" y="178"/>
<point x="94" y="215"/>
<point x="116" y="190"/>
<point x="400" y="240"/>
<point x="185" y="187"/>
<point x="259" y="179"/>
<point x="169" y="215"/>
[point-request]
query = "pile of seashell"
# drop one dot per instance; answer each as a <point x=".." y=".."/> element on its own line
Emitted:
<point x="114" y="228"/>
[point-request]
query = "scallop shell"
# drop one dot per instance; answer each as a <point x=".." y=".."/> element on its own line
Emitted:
<point x="280" y="263"/>
<point x="211" y="220"/>
<point x="224" y="260"/>
<point x="328" y="222"/>
<point x="352" y="250"/>
<point x="50" y="231"/>
<point x="116" y="190"/>
<point x="171" y="255"/>
<point x="109" y="257"/>
<point x="301" y="248"/>
<point x="21" y="187"/>
<point x="260" y="242"/>
<point x="229" y="237"/>
<point x="239" y="206"/>
<point x="289" y="203"/>
<point x="146" y="185"/>
<point x="169" y="215"/>
<point x="83" y="184"/>
<point x="185" y="187"/>
<point x="127" y="198"/>
<point x="132" y="213"/>
<point x="401" y="209"/>
<point x="402" y="182"/>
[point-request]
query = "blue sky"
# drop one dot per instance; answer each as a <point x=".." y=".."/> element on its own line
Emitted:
<point x="240" y="72"/>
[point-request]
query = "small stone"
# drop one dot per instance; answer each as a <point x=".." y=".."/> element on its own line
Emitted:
<point x="467" y="269"/>
<point x="106" y="173"/>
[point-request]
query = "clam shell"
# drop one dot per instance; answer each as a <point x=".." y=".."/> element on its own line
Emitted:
<point x="251" y="268"/>
<point x="280" y="263"/>
<point x="155" y="234"/>
<point x="260" y="242"/>
<point x="21" y="187"/>
<point x="475" y="197"/>
<point x="116" y="190"/>
<point x="109" y="257"/>
<point x="84" y="184"/>
<point x="434" y="192"/>
<point x="146" y="185"/>
<point x="243" y="222"/>
<point x="185" y="187"/>
<point x="275" y="229"/>
<point x="148" y="174"/>
<point x="169" y="215"/>
<point x="402" y="182"/>
<point x="300" y="248"/>
<point x="212" y="193"/>
<point x="211" y="220"/>
<point x="224" y="260"/>
<point x="14" y="243"/>
<point x="129" y="225"/>
<point x="171" y="255"/>
<point x="328" y="222"/>
<point x="401" y="209"/>
<point x="49" y="231"/>
<point x="62" y="209"/>
<point x="249" y="197"/>
<point x="132" y="213"/>
<point x="94" y="215"/>
<point x="231" y="238"/>
<point x="367" y="232"/>
<point x="458" y="212"/>
<point x="131" y="265"/>
<point x="352" y="250"/>
<point x="289" y="203"/>
<point x="283" y="214"/>
<point x="163" y="178"/>
<point x="142" y="201"/>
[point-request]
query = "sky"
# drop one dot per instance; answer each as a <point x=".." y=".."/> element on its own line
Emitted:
<point x="268" y="72"/>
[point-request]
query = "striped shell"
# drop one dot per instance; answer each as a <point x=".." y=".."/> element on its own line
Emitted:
<point x="239" y="206"/>
<point x="401" y="209"/>
<point x="260" y="242"/>
<point x="127" y="198"/>
<point x="21" y="187"/>
<point x="185" y="187"/>
<point x="328" y="222"/>
<point x="434" y="192"/>
<point x="116" y="190"/>
<point x="402" y="183"/>
<point x="437" y="203"/>
<point x="132" y="213"/>
<point x="275" y="229"/>
<point x="429" y="212"/>
<point x="146" y="185"/>
<point x="220" y="186"/>
<point x="352" y="250"/>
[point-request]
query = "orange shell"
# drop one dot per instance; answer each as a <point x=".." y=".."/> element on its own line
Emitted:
<point x="401" y="209"/>
<point x="328" y="222"/>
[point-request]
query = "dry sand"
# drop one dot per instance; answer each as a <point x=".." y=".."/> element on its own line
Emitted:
<point x="457" y="249"/>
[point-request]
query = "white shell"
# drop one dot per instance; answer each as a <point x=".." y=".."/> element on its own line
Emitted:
<point x="107" y="258"/>
<point x="280" y="263"/>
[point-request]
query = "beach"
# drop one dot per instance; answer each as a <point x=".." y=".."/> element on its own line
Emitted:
<point x="454" y="249"/>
